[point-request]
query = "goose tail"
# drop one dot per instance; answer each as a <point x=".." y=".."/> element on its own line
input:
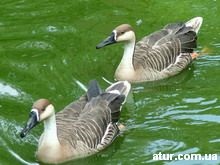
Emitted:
<point x="120" y="87"/>
<point x="116" y="95"/>
<point x="93" y="89"/>
<point x="195" y="23"/>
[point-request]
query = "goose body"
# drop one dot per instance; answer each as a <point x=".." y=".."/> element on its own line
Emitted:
<point x="159" y="55"/>
<point x="82" y="128"/>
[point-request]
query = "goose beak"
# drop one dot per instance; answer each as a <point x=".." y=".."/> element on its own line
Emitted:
<point x="32" y="122"/>
<point x="108" y="41"/>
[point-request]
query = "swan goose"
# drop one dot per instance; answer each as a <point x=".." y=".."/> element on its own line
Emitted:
<point x="82" y="128"/>
<point x="159" y="55"/>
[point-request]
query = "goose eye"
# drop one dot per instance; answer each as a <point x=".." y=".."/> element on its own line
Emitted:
<point x="122" y="32"/>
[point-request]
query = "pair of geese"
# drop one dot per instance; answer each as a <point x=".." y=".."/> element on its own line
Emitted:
<point x="90" y="124"/>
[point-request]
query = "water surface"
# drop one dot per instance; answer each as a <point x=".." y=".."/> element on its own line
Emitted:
<point x="45" y="46"/>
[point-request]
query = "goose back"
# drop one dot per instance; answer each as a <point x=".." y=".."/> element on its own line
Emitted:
<point x="90" y="124"/>
<point x="161" y="49"/>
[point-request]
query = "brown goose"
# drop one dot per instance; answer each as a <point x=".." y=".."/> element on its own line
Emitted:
<point x="83" y="128"/>
<point x="157" y="56"/>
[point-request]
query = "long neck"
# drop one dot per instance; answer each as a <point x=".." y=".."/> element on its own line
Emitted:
<point x="50" y="131"/>
<point x="127" y="59"/>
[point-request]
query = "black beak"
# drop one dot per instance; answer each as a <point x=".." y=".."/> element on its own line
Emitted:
<point x="31" y="123"/>
<point x="108" y="41"/>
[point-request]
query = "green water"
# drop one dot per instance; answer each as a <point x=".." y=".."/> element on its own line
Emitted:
<point x="46" y="46"/>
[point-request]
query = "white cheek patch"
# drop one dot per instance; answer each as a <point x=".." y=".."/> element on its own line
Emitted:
<point x="36" y="111"/>
<point x="115" y="34"/>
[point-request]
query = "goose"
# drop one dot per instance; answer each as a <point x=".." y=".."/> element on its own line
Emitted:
<point x="157" y="56"/>
<point x="82" y="128"/>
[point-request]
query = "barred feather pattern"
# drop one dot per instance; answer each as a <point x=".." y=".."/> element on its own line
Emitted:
<point x="86" y="126"/>
<point x="165" y="52"/>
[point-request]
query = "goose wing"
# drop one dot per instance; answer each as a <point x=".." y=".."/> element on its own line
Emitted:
<point x="94" y="129"/>
<point x="72" y="111"/>
<point x="169" y="47"/>
<point x="96" y="126"/>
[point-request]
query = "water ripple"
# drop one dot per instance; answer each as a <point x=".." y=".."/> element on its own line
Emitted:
<point x="202" y="117"/>
<point x="163" y="145"/>
<point x="174" y="111"/>
<point x="35" y="45"/>
<point x="193" y="100"/>
<point x="9" y="137"/>
<point x="20" y="159"/>
<point x="214" y="141"/>
<point x="208" y="102"/>
<point x="10" y="130"/>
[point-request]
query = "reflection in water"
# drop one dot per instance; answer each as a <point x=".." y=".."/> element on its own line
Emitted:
<point x="15" y="155"/>
<point x="20" y="159"/>
<point x="11" y="92"/>
<point x="81" y="85"/>
<point x="214" y="141"/>
<point x="202" y="117"/>
<point x="8" y="90"/>
<point x="193" y="100"/>
<point x="163" y="145"/>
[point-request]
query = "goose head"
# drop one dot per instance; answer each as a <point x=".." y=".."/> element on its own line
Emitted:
<point x="122" y="33"/>
<point x="41" y="110"/>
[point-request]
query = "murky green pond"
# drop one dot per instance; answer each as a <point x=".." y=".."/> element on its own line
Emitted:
<point x="46" y="46"/>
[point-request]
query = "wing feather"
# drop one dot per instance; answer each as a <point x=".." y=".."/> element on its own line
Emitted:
<point x="162" y="49"/>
